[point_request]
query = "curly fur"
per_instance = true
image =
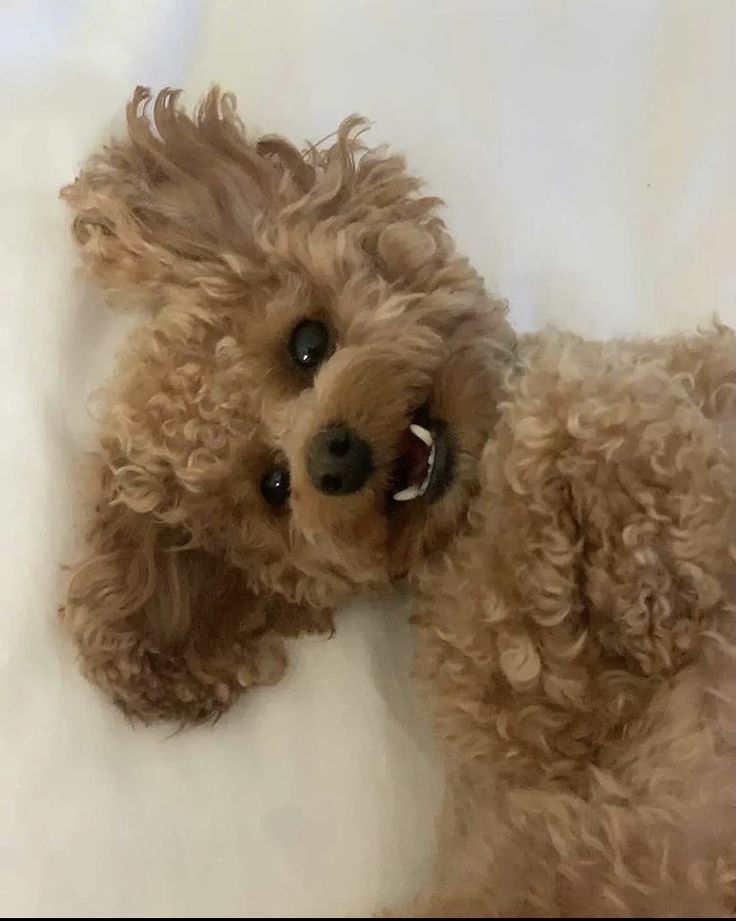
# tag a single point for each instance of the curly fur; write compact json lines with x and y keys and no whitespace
{"x":574,"y":583}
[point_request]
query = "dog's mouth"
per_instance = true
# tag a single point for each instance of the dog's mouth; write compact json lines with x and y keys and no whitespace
{"x":423,"y":465}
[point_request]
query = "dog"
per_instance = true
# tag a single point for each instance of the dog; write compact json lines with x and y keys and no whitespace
{"x":324,"y":399}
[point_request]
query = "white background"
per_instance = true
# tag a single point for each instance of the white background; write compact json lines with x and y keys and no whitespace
{"x":587,"y":152}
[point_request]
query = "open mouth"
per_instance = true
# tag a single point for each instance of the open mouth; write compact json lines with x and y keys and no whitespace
{"x":423,"y":466}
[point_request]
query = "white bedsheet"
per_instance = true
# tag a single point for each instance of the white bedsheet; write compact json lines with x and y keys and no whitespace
{"x":587,"y":152}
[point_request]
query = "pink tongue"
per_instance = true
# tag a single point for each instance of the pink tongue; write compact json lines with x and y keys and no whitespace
{"x":413,"y":461}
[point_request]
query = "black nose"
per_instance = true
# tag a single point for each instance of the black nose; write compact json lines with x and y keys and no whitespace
{"x":339,"y":462}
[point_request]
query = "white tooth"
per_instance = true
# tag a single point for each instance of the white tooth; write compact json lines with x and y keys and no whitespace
{"x":421,"y":433}
{"x":430,"y":467}
{"x":405,"y":495}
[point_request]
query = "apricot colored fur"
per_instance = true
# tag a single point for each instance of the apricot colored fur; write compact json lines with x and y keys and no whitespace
{"x":574,"y":584}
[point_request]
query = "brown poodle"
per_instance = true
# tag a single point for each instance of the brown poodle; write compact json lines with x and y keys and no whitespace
{"x":323,"y":399}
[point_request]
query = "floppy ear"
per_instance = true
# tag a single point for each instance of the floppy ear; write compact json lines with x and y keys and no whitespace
{"x":172,"y":205}
{"x":169,"y":630}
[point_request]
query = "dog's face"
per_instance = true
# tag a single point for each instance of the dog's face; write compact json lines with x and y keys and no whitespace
{"x":311,"y":396}
{"x":365,"y":405}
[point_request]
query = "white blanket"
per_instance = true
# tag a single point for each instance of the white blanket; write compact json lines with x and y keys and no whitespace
{"x":587,"y":152}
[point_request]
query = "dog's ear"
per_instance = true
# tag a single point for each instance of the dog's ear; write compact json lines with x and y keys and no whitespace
{"x":173,"y":204}
{"x":165,"y":628}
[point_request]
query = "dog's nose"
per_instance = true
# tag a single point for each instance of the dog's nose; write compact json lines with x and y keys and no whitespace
{"x":339,"y":462}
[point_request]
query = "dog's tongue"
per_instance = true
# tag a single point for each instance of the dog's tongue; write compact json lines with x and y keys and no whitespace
{"x":412,"y":462}
{"x":413,"y":457}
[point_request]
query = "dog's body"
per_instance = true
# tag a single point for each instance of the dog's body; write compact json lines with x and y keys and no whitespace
{"x":577,"y":640}
{"x":325,"y":399}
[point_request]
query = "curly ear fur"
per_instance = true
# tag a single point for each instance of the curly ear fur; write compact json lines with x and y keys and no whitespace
{"x":168,"y":630}
{"x":162,"y":209}
{"x":189,"y":203}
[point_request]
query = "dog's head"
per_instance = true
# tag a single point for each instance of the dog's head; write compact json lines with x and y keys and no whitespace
{"x":300,"y":415}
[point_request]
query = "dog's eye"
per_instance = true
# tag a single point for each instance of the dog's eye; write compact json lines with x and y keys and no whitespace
{"x":276,"y":486}
{"x":309,"y":344}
